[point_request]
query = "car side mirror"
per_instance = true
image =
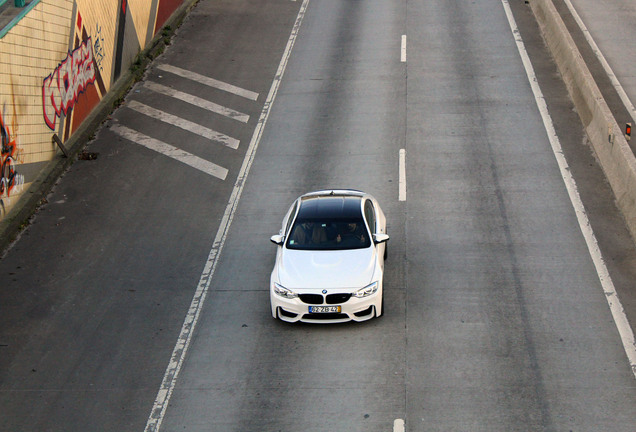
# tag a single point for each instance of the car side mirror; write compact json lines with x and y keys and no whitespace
{"x":277,"y":239}
{"x":380,"y":238}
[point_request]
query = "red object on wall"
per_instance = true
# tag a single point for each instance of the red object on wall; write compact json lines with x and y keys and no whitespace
{"x":82,"y":108}
{"x":164,"y":10}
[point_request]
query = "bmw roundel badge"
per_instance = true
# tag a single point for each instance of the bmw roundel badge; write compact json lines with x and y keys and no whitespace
{"x":324,"y":291}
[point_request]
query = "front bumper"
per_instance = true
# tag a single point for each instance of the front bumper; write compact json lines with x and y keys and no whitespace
{"x":353,"y":309}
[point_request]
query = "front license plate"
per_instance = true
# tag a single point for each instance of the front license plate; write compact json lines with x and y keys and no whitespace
{"x":325,"y":309}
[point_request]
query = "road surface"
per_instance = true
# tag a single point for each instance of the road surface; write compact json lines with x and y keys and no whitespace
{"x":138,"y":297}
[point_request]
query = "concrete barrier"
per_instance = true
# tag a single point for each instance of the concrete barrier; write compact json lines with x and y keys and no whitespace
{"x":614,"y":154}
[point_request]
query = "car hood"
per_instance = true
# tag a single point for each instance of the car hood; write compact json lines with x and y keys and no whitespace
{"x":302,"y":269}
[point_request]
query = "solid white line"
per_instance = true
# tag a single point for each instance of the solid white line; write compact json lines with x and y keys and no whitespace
{"x":616,"y":308}
{"x":210,"y":82}
{"x":181,"y":348}
{"x":184,"y":124}
{"x":608,"y":70}
{"x":197,"y":101}
{"x":170,"y":151}
{"x":403,"y":49}
{"x":398,"y":425}
{"x":402,"y":176}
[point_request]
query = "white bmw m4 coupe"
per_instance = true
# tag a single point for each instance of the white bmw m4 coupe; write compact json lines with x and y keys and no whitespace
{"x":330,"y":259}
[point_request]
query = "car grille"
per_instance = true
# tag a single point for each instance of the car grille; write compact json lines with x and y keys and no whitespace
{"x":318,"y":299}
{"x":337,"y":298}
{"x":315,"y":299}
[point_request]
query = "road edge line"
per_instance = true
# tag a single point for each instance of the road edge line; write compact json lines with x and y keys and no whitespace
{"x":164,"y":394}
{"x":616,"y":308}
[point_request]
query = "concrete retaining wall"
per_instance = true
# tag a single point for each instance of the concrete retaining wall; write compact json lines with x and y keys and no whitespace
{"x":609,"y":144}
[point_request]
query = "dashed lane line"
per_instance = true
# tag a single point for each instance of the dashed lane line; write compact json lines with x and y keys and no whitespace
{"x":183,"y":124}
{"x":197,"y":101}
{"x":210,"y":82}
{"x":403,"y":50}
{"x":402,"y":176}
{"x":170,"y":151}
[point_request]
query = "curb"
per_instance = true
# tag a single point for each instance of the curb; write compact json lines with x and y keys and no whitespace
{"x":20,"y":215}
{"x":610,"y":146}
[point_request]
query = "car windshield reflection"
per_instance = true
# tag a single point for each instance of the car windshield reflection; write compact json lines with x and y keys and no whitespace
{"x":321,"y":234}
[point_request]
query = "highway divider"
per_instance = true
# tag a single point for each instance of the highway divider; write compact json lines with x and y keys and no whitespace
{"x":608,"y":142}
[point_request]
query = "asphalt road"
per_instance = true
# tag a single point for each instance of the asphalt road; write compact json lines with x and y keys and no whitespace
{"x":148,"y":268}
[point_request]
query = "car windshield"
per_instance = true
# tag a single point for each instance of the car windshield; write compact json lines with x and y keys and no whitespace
{"x":328,"y":234}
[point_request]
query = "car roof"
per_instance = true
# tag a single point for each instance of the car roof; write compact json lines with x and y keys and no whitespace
{"x":334,"y":192}
{"x":333,"y":204}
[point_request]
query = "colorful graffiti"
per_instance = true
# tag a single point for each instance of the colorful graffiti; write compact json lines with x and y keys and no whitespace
{"x":61,"y":89}
{"x":10,"y":180}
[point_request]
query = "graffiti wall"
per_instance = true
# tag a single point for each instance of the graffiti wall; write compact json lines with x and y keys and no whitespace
{"x":58,"y":60}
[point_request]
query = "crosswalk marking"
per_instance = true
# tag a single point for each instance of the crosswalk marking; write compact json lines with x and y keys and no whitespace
{"x":183,"y":124}
{"x":174,"y":152}
{"x":211,"y":82}
{"x":197,"y":101}
{"x":170,"y":151}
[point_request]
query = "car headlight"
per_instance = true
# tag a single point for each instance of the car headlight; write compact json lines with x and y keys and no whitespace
{"x":366,"y":291}
{"x":284,"y":292}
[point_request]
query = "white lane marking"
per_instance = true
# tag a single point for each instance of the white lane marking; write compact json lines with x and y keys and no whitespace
{"x":403,"y":50}
{"x":398,"y":425}
{"x":192,"y":317}
{"x":170,"y":151}
{"x":616,"y":308}
{"x":402,"y":176}
{"x":608,"y":70}
{"x":183,"y":124}
{"x":210,"y":82}
{"x":197,"y":101}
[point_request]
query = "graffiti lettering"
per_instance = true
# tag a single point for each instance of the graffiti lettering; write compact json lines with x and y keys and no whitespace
{"x":9,"y":178}
{"x":99,"y":47}
{"x":61,"y":89}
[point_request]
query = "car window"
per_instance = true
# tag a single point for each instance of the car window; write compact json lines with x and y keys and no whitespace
{"x":328,"y":234}
{"x":369,"y":214}
{"x":290,"y":217}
